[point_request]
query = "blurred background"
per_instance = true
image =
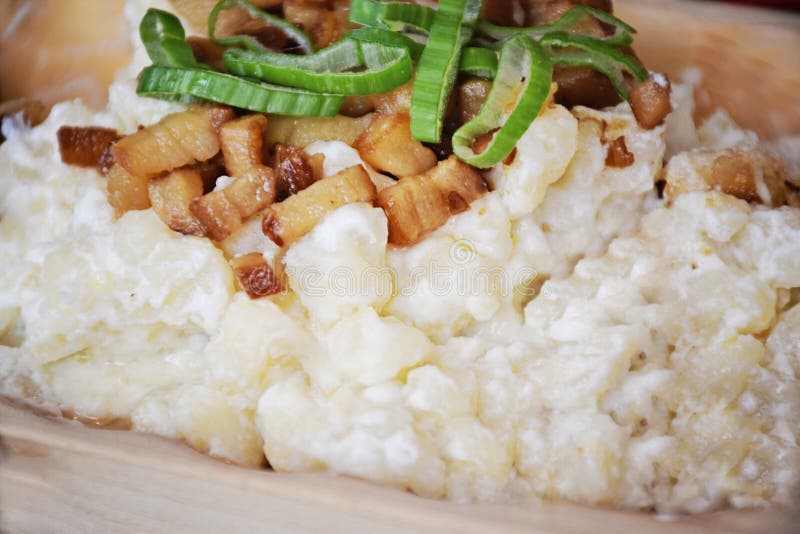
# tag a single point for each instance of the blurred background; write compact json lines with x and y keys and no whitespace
{"x":53,"y":50}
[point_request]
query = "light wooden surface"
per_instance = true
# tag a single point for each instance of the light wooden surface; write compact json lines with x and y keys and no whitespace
{"x":62,"y":477}
{"x":57,"y":476}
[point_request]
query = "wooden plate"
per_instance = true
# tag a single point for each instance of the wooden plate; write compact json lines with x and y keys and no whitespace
{"x":58,"y":476}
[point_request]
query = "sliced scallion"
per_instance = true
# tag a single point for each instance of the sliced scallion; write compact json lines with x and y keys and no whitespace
{"x":388,"y":38}
{"x":249,"y":42}
{"x":330,"y":70}
{"x":391,"y":15}
{"x":165,"y":40}
{"x":173,"y":82}
{"x":581,"y":50}
{"x":524,"y":63}
{"x":622,"y":35}
{"x":451,"y":29}
{"x":480,"y":62}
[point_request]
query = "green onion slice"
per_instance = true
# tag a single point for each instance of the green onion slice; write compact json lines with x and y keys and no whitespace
{"x":452,"y":27}
{"x":522,"y":62}
{"x":480,"y":62}
{"x":395,"y":16}
{"x":170,"y":83}
{"x":251,"y":43}
{"x":388,"y":38}
{"x":165,"y":40}
{"x":580,"y":50}
{"x":622,"y":36}
{"x":330,"y":70}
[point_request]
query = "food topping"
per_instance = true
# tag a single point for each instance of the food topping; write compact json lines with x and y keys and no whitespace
{"x":618,"y":154}
{"x":255,"y":275}
{"x":417,"y":205}
{"x":242,"y":143}
{"x":287,"y":221}
{"x":295,"y":170}
{"x":650,"y":101}
{"x":177,"y":140}
{"x":85,"y":146}
{"x":170,"y":197}
{"x":387,"y":145}
{"x":249,"y":61}
{"x":581,"y":42}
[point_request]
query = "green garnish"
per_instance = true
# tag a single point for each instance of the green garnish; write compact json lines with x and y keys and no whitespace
{"x":379,"y":57}
{"x":522,"y":62}
{"x":328,"y":71}
{"x":249,"y":42}
{"x":170,"y":83}
{"x":451,"y":29}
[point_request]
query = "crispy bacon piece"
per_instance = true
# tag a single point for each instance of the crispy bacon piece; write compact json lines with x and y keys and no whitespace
{"x":325,"y":21}
{"x":223,"y":212}
{"x":207,"y":52}
{"x":216,"y":113}
{"x":252,"y":191}
{"x":293,"y":218}
{"x":418,"y":205}
{"x":387,"y":145}
{"x":501,"y":12}
{"x":293,"y":170}
{"x":471,"y":96}
{"x":618,"y":154}
{"x":209,"y":171}
{"x":395,"y":101}
{"x":302,"y":131}
{"x":548,"y":11}
{"x":171,"y":196}
{"x":256,"y":276}
{"x":125,"y":191}
{"x":749,"y":174}
{"x":242,"y":142}
{"x":85,"y":146}
{"x":177,"y":140}
{"x":650,"y":101}
{"x":583,"y":86}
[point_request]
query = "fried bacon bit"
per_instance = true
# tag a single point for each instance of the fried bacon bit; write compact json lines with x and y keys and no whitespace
{"x":252,"y":191}
{"x":293,"y":218}
{"x":650,"y":101}
{"x":293,"y":170}
{"x":302,"y":131}
{"x":209,"y":171}
{"x":223,"y":212}
{"x":125,"y":191}
{"x":748,"y":174}
{"x":85,"y":146}
{"x":326,"y":21}
{"x":242,"y":142}
{"x":395,"y":101}
{"x":548,"y":11}
{"x":618,"y":155}
{"x":418,"y":205}
{"x":502,"y":12}
{"x":217,"y":214}
{"x":256,"y":276}
{"x":177,"y":140}
{"x":171,"y":196}
{"x":471,"y":96}
{"x":583,"y":86}
{"x":387,"y":145}
{"x":217,"y":114}
{"x":206,"y":52}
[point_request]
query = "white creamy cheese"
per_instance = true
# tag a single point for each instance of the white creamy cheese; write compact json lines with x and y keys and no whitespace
{"x":568,"y":336}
